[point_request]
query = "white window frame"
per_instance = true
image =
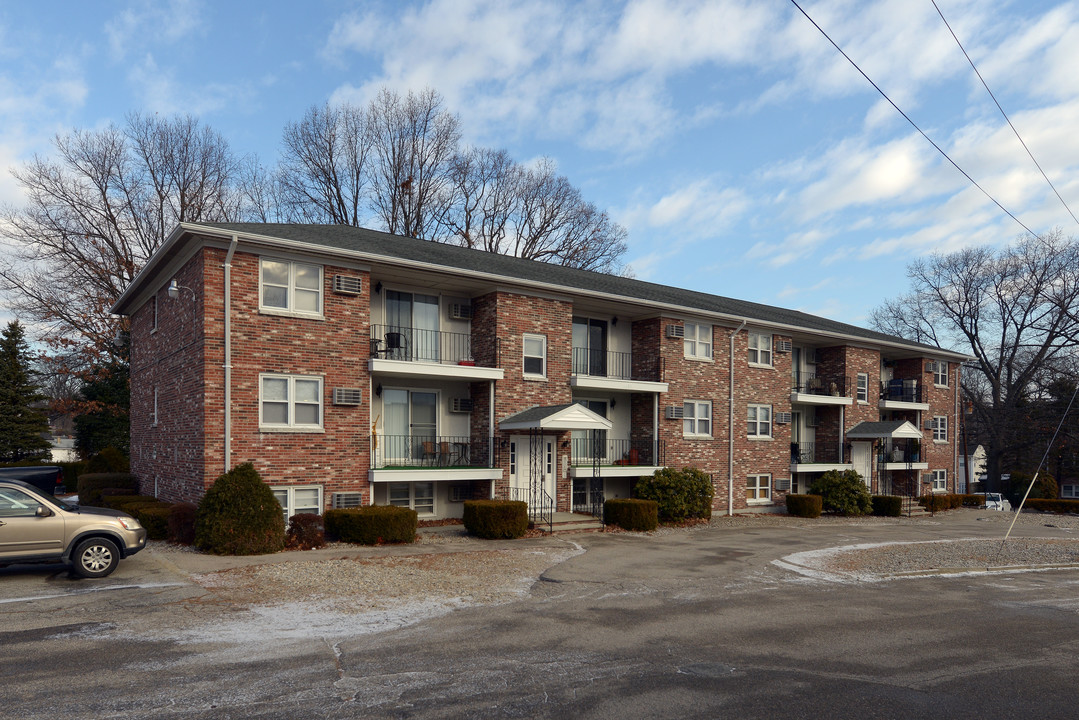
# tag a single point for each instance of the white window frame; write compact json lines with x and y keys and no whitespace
{"x":759,"y":488}
{"x":940,"y":374}
{"x":758,"y":422}
{"x":940,"y":481}
{"x":697,"y":344}
{"x":412,"y":497}
{"x":757,"y":352}
{"x":862,"y":391}
{"x":940,"y":428}
{"x":525,"y":356}
{"x":292,"y":425}
{"x":289,"y":506}
{"x":1069,"y":491}
{"x":290,"y":309}
{"x":695,"y":413}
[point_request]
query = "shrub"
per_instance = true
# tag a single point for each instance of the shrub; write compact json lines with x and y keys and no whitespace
{"x":632,"y":514}
{"x":239,"y":515}
{"x":152,"y":516}
{"x":372,"y":524}
{"x":109,"y":460}
{"x":494,"y":519}
{"x":89,"y":486}
{"x":305,"y":532}
{"x":181,"y":524}
{"x":680,"y":494}
{"x":843,"y":492}
{"x":940,"y":502}
{"x":972,"y":500}
{"x":887,"y":505}
{"x":1056,"y":506}
{"x":1044,"y":488}
{"x":117,"y":502}
{"x":71,"y":471}
{"x":807,"y":506}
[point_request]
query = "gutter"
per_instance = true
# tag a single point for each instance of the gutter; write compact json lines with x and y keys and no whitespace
{"x":228,"y":351}
{"x":730,"y":427}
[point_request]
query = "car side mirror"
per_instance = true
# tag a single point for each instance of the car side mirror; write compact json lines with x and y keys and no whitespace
{"x":43,"y":511}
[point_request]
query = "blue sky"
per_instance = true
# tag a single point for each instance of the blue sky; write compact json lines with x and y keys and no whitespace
{"x":742,"y":153}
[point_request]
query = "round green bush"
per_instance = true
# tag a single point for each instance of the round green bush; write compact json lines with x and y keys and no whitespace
{"x":239,"y":515}
{"x":807,"y":506}
{"x":680,"y":494}
{"x":495,"y":519}
{"x":843,"y":492}
{"x":632,"y":514}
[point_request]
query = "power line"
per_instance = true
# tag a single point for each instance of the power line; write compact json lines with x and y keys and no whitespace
{"x":912,"y":123}
{"x":1017,"y":135}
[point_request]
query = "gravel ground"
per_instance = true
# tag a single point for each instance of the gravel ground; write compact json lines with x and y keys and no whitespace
{"x":463,"y":571}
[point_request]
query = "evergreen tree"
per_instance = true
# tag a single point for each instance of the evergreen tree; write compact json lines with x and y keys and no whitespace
{"x":105,"y":420}
{"x":23,"y":424}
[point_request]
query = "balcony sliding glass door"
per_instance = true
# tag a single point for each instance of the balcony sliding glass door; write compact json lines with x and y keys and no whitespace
{"x":410,"y":424}
{"x":415,"y":318}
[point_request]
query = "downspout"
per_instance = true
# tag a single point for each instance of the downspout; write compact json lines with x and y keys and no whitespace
{"x":730,"y":428}
{"x":491,"y":432}
{"x":955,"y":442}
{"x":228,"y":352}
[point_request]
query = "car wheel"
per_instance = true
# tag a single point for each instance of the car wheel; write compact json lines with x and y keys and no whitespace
{"x":96,"y":557}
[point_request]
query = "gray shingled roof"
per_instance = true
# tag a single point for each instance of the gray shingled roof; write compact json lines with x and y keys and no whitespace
{"x":348,"y":238}
{"x":876,"y":429}
{"x":535,"y":414}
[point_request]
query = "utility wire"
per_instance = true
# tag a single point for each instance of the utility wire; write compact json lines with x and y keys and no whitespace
{"x":1017,"y":135}
{"x":913,"y":124}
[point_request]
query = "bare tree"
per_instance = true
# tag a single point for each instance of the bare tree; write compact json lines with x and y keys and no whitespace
{"x":1014,"y":310}
{"x":482,"y":199}
{"x":98,"y":209}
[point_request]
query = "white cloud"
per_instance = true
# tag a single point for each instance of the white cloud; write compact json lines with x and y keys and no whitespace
{"x":158,"y":90}
{"x":150,"y":24}
{"x":698,"y":210}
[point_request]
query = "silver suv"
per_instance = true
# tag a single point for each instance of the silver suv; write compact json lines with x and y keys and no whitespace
{"x":36,"y":527}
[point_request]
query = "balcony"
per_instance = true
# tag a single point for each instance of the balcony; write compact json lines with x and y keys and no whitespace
{"x":903,"y":394}
{"x":901,"y":455}
{"x":817,"y":457}
{"x":610,"y":370}
{"x":413,"y":352}
{"x":435,"y":457}
{"x":617,"y":457}
{"x":809,"y":388}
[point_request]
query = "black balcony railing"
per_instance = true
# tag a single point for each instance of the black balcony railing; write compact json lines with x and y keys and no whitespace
{"x":900,"y":451}
{"x":618,"y":452}
{"x":813,"y":453}
{"x":810,"y":383}
{"x":394,"y":342}
{"x":435,"y":451}
{"x":617,"y":365}
{"x":903,"y":390}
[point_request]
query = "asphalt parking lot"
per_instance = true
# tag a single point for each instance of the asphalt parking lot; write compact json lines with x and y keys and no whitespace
{"x":687,"y":623}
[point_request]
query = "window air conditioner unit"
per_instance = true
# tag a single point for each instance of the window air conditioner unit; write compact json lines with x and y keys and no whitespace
{"x":812,"y":357}
{"x":347,"y":396}
{"x":783,"y":418}
{"x":783,"y":346}
{"x":460,"y":311}
{"x":676,"y":331}
{"x":927,"y":477}
{"x":931,"y":367}
{"x":783,"y":484}
{"x":461,"y":405}
{"x":345,"y":285}
{"x":675,"y":412}
{"x":930,"y":424}
{"x":344,"y":500}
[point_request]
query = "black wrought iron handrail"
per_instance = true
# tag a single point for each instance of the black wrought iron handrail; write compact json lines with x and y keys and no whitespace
{"x":810,"y":453}
{"x":398,"y":342}
{"x":900,"y":451}
{"x":810,"y":383}
{"x":618,"y":451}
{"x":541,"y":506}
{"x":617,"y":365}
{"x":908,"y":390}
{"x":435,"y":451}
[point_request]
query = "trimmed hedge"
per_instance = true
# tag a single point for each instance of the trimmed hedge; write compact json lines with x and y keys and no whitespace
{"x":887,"y":505}
{"x":942,"y":501}
{"x":807,"y":506}
{"x":181,"y":523}
{"x":239,"y":515}
{"x":372,"y":524}
{"x":305,"y":532}
{"x":1055,"y":506}
{"x":109,"y":460}
{"x":494,"y":519}
{"x":681,"y":494}
{"x":631,"y":514}
{"x":152,"y":516}
{"x":89,"y":486}
{"x":972,"y":500}
{"x":117,"y":502}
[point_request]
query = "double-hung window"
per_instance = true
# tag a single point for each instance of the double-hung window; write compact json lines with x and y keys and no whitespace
{"x":698,"y":342}
{"x":290,"y":287}
{"x":296,"y":499}
{"x":759,"y":488}
{"x":760,"y":421}
{"x":290,"y":402}
{"x":863,"y":387}
{"x":760,"y":349}
{"x":697,"y":418}
{"x":535,"y":356}
{"x":940,"y":374}
{"x":420,"y":496}
{"x":940,"y":480}
{"x":940,"y":428}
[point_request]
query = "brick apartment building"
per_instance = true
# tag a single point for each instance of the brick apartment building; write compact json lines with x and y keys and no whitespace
{"x":356,"y":367}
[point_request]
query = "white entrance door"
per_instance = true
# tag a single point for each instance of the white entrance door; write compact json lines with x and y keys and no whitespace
{"x":861,"y":456}
{"x":521,"y":464}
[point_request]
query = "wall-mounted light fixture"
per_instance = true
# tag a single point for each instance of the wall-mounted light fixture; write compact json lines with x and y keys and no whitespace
{"x":614,"y":321}
{"x":175,"y":287}
{"x":612,"y":402}
{"x":378,"y":390}
{"x":378,"y":288}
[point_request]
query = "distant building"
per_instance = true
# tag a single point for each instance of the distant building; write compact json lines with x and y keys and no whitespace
{"x":976,"y":461}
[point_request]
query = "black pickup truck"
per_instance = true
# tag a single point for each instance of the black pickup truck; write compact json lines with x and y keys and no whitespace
{"x":47,"y":478}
